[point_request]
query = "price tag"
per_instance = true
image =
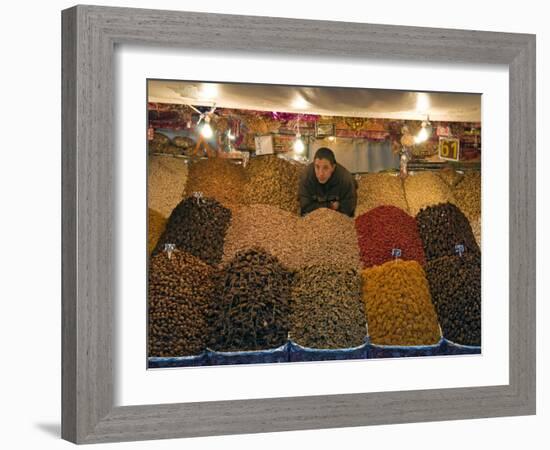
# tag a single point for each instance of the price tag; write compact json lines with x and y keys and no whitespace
{"x":169,"y":248}
{"x":459,"y":248}
{"x":396,"y":252}
{"x":199,"y":197}
{"x":449,"y":148}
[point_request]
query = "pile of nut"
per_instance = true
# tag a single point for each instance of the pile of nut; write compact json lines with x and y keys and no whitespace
{"x":265,"y":226}
{"x":327,"y":236}
{"x":321,"y":236}
{"x":156,"y":223}
{"x":450,"y":176}
{"x":273,"y":181}
{"x":377,"y":189}
{"x":426,"y":189}
{"x":179,"y":300}
{"x":252,"y":307}
{"x":327,"y":310}
{"x":387,"y":232}
{"x":166,"y":180}
{"x":455,"y":285}
{"x":467,"y":194}
{"x":398,"y":305}
{"x":197,"y":226}
{"x":217,"y":178}
{"x":443,"y":228}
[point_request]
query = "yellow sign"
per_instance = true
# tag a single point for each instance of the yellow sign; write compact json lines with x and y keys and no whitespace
{"x":449,"y":148}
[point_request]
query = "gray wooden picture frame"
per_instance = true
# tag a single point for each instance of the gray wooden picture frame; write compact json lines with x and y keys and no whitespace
{"x":89,"y":36}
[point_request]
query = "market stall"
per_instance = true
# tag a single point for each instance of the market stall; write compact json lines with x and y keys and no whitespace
{"x":237,"y":275}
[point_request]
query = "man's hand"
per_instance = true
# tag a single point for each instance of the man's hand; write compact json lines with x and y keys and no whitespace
{"x":334,"y":205}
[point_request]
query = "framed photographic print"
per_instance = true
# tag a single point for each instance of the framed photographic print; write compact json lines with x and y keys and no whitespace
{"x":189,"y":256}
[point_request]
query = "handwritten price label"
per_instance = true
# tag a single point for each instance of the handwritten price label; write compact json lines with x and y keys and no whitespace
{"x":169,"y":248}
{"x":449,"y":148}
{"x":199,"y":197}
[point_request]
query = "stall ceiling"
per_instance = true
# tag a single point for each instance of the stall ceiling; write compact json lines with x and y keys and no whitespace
{"x":334,"y":101}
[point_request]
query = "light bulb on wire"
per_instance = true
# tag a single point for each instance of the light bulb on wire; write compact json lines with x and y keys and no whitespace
{"x":206,"y":130}
{"x":299,"y":146}
{"x":424,"y":133}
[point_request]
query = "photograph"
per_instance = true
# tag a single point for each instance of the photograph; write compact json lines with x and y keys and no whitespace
{"x":289,"y":223}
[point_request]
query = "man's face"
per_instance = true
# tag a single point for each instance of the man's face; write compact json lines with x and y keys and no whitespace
{"x":323,"y":170}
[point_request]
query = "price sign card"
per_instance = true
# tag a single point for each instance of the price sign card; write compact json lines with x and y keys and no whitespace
{"x":449,"y":148}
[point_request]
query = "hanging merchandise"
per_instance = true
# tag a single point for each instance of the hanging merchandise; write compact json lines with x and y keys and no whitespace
{"x":355,"y":123}
{"x":262,"y":122}
{"x":407,"y":139}
{"x":288,"y":117}
{"x":404,"y":161}
{"x":376,"y":130}
{"x":239,"y":130}
{"x":444,"y":131}
{"x":150,"y":133}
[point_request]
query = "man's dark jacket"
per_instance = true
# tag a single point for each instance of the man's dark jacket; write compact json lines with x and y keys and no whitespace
{"x":341,"y":187}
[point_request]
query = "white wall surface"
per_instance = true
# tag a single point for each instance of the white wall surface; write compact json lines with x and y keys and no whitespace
{"x":30,"y":225}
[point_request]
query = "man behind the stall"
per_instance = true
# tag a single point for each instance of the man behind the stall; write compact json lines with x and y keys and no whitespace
{"x":327,"y":184}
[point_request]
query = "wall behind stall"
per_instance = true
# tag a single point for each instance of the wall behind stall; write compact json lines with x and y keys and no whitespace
{"x":359,"y":155}
{"x":31,"y":209}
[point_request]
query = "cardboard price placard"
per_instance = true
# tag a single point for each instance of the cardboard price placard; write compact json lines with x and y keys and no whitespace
{"x":449,"y":148}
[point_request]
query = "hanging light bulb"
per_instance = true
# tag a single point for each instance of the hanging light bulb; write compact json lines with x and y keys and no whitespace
{"x":299,"y":146}
{"x":206,"y":130}
{"x":424,"y":133}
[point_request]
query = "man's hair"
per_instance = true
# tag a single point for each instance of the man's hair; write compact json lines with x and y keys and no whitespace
{"x":325,"y":153}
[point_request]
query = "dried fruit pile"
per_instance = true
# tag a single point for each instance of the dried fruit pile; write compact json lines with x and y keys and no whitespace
{"x":179,"y":298}
{"x":327,"y":310}
{"x":398,"y":305}
{"x":217,"y":178}
{"x":384,"y":229}
{"x":426,"y":189}
{"x":166,"y":180}
{"x":156,"y":223}
{"x":443,"y":227}
{"x":252,"y":295}
{"x":468,"y":195}
{"x":379,"y":189}
{"x":455,"y":285}
{"x":197,"y":226}
{"x":273,"y":181}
